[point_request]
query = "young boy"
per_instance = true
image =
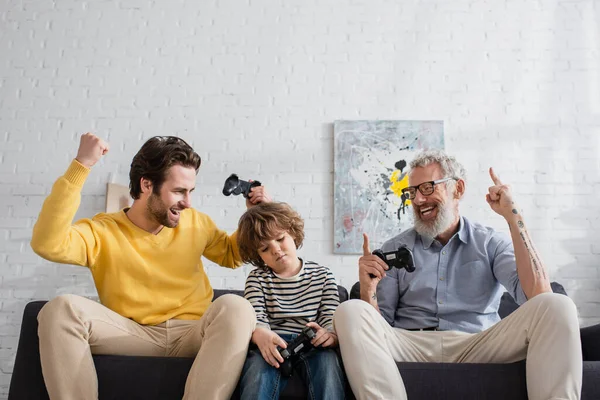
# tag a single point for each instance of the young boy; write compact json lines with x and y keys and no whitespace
{"x":288,"y":294}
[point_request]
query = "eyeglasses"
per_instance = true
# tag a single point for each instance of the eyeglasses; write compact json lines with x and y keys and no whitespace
{"x":426,"y":188}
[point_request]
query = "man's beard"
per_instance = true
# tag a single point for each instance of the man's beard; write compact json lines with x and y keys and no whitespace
{"x":159,"y":211}
{"x":443,"y":220}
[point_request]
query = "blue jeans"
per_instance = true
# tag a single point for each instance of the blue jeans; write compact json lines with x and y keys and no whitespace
{"x":320,"y":369}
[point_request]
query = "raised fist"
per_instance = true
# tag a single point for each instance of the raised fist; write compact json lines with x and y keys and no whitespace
{"x":91,"y":149}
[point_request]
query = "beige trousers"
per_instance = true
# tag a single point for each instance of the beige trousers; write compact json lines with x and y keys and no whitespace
{"x":72,"y":328}
{"x":544,"y":330}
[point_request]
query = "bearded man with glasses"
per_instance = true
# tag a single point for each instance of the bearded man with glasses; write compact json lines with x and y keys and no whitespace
{"x":447,"y":309}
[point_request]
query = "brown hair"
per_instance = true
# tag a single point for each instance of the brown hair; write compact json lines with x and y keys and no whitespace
{"x":155,"y":158}
{"x":263,"y":222}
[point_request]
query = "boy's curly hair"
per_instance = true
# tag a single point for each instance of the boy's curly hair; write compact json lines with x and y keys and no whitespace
{"x":264,"y":222}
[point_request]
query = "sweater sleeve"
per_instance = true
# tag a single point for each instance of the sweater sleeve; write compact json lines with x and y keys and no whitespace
{"x":329,"y":302}
{"x":222,"y":248}
{"x":254,"y":293}
{"x":55,"y":237}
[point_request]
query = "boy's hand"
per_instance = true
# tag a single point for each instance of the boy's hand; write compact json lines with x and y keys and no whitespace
{"x":258,"y":194}
{"x":91,"y":149}
{"x":267,"y":342}
{"x":323,"y":337}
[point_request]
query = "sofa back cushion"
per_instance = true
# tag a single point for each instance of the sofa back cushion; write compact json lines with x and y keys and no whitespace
{"x":508,"y":304}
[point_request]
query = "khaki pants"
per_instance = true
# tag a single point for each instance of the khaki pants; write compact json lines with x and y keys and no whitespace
{"x":72,"y":328}
{"x":544,"y":330}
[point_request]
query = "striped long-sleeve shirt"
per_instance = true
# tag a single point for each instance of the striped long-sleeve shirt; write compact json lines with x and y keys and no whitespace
{"x":286,"y":305}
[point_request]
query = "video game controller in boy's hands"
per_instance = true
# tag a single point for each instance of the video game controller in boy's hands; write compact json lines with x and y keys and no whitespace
{"x":301,"y":344}
{"x":401,"y":258}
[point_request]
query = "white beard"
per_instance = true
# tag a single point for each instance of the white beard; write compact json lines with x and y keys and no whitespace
{"x":439,"y":225}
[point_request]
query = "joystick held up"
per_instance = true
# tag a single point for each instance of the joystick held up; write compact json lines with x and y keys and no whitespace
{"x":400,"y":258}
{"x":234,"y":185}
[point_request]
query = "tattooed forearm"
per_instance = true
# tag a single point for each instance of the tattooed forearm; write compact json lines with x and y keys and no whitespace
{"x":372,"y":299}
{"x":530,"y":267}
{"x":533,"y":256}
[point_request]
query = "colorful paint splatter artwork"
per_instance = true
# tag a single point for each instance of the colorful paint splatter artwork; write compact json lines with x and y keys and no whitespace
{"x":371,"y":169}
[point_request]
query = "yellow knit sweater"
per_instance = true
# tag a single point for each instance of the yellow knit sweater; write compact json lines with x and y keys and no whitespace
{"x":148,"y":278}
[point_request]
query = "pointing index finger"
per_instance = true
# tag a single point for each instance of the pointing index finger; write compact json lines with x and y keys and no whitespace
{"x":494,"y":177}
{"x":366,"y":250}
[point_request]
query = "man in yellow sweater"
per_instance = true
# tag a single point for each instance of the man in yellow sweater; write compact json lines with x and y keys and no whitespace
{"x":146,"y":264}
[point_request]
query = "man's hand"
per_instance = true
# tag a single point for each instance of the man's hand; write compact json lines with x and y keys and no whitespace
{"x":267,"y":342}
{"x":371,"y":269}
{"x":258,"y":194}
{"x":500,"y":197}
{"x":323,"y":337}
{"x":91,"y":149}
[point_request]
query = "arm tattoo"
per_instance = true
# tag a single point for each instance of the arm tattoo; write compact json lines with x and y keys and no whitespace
{"x":533,"y":256}
{"x":374,"y":297}
{"x":514,"y":210}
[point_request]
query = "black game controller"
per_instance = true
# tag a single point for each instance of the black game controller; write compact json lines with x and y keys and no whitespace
{"x":234,"y":185}
{"x":401,"y":258}
{"x":301,"y":344}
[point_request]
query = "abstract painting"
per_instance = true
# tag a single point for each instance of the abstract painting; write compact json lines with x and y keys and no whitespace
{"x":371,"y":168}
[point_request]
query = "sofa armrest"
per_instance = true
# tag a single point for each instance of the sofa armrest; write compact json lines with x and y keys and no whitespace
{"x":590,"y":343}
{"x":28,"y":370}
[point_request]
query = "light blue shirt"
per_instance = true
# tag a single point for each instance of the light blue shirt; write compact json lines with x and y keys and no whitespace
{"x":454,"y":287}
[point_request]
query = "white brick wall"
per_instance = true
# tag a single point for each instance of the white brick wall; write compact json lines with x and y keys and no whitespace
{"x":255,"y":86}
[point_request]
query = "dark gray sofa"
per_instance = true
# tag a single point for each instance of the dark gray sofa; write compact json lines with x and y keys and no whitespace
{"x":124,"y":377}
{"x":119,"y":377}
{"x":492,"y":381}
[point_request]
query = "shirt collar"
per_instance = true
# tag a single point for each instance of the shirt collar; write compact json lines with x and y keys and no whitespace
{"x":463,"y":235}
{"x":463,"y":230}
{"x":293,"y":276}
